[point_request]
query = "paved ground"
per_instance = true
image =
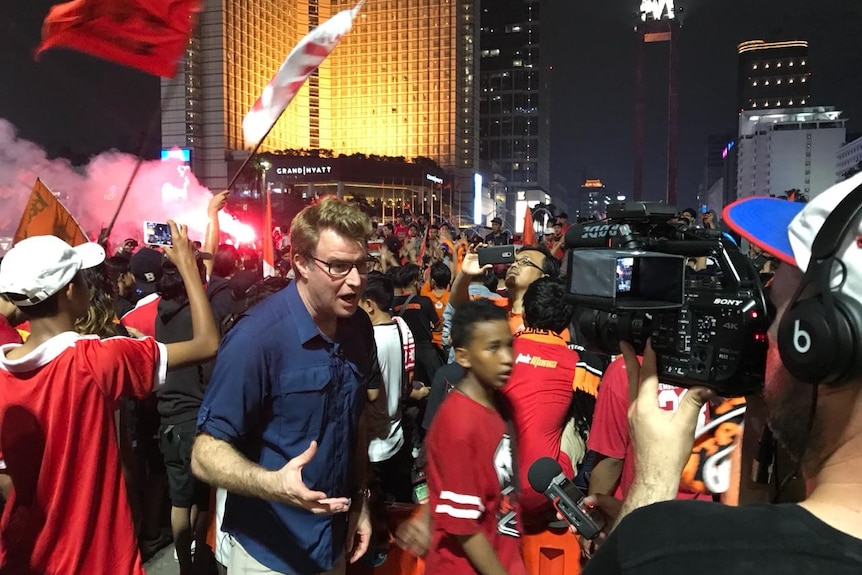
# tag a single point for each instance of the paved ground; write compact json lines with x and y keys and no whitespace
{"x":162,"y":563}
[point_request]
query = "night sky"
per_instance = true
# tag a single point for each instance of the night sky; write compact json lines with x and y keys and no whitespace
{"x":75,"y":105}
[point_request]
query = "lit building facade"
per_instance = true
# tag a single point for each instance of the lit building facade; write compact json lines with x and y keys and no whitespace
{"x":595,"y":199}
{"x":403,"y":83}
{"x":849,"y":159}
{"x":773,"y":75}
{"x":515,"y":127}
{"x":785,"y":149}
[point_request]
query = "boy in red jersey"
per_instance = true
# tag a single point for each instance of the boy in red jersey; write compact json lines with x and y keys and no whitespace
{"x":68,"y":510}
{"x":471,"y":475}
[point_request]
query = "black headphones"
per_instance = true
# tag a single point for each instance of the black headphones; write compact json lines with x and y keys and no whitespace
{"x":819,"y":336}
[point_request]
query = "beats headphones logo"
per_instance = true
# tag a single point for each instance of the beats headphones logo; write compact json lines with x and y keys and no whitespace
{"x":801,"y":338}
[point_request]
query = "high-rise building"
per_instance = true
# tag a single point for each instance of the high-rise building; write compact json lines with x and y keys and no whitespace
{"x":716,"y":159}
{"x":786,"y":149}
{"x":773,"y":75}
{"x":849,"y":159}
{"x":403,"y":83}
{"x":515,"y":97}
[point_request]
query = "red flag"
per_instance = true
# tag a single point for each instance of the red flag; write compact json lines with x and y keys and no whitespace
{"x":149,"y":35}
{"x":44,"y":215}
{"x":302,"y":61}
{"x":268,"y":247}
{"x":528,"y":238}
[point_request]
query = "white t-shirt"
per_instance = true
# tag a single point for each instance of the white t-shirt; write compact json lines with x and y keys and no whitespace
{"x":384,"y":422}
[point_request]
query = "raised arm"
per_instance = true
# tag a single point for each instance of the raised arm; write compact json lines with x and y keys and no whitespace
{"x":211,"y":242}
{"x":205,"y":335}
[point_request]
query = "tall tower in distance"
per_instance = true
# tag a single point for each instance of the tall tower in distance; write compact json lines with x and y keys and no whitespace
{"x":658,"y":23}
{"x":773,"y":75}
{"x":514,"y":99}
{"x":404,"y":82}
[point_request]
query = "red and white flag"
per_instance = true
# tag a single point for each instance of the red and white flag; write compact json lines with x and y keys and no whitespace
{"x":302,"y":61}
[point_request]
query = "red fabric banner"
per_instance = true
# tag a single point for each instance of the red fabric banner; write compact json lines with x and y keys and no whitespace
{"x":528,"y":238}
{"x":149,"y":35}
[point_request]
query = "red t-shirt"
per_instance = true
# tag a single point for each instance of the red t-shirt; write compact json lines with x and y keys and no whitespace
{"x":539,"y":392}
{"x":609,"y":434}
{"x":68,"y":511}
{"x":143,"y":316}
{"x":8,"y":334}
{"x":470,"y":483}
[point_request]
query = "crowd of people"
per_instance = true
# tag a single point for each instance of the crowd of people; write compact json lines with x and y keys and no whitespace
{"x":275,"y":421}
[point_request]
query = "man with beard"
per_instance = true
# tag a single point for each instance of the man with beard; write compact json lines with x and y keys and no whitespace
{"x":279,"y":424}
{"x":813,"y":395}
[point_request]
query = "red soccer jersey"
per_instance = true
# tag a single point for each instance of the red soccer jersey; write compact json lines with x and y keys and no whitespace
{"x":539,"y":392}
{"x":8,"y":334}
{"x":470,"y":482}
{"x":609,"y":434}
{"x":68,"y":511}
{"x":143,"y":316}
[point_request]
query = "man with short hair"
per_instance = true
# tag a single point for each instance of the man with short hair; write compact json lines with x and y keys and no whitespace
{"x":541,"y":387}
{"x":813,"y":397}
{"x":389,"y":454}
{"x":68,"y":511}
{"x":498,"y":237}
{"x":146,"y":265}
{"x":279,"y":424}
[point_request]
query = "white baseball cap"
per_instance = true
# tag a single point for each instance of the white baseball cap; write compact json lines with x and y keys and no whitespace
{"x":787,"y":230}
{"x":40,"y":266}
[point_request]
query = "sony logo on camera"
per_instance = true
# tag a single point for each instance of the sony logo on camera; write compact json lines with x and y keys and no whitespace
{"x":723,"y":301}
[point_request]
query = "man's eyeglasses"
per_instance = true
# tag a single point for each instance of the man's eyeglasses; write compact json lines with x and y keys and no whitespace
{"x":527,"y":262}
{"x":340,"y":269}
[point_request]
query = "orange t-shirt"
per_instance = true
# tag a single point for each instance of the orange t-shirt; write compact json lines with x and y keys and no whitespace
{"x":439,"y":305}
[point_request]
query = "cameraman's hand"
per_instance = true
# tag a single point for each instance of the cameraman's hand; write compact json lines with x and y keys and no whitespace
{"x":662,"y":439}
{"x":470,"y":266}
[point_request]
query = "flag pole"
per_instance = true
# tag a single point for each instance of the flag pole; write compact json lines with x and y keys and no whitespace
{"x":105,"y":233}
{"x":250,"y":156}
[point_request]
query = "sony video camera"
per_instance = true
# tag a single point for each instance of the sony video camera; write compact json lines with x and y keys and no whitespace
{"x":631,"y":279}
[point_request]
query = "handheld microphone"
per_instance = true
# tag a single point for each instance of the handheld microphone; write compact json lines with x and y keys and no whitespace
{"x":546,"y":476}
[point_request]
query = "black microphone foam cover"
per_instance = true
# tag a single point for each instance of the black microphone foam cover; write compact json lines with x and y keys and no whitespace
{"x":542,"y":472}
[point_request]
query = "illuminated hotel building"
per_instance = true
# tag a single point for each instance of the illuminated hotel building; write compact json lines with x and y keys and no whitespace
{"x":773,"y":75}
{"x":402,"y":83}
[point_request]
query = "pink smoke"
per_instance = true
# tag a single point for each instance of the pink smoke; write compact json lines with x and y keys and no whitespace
{"x":162,"y":190}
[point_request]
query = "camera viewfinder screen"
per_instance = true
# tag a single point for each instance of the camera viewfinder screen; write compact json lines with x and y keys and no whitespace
{"x":625,"y":271}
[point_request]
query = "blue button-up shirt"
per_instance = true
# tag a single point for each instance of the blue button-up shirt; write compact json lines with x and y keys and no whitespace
{"x":278,"y":384}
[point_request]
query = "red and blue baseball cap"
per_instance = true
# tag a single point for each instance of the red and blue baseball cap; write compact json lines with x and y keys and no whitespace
{"x":787,"y":230}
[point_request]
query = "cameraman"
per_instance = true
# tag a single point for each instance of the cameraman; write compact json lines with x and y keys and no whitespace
{"x":819,"y":424}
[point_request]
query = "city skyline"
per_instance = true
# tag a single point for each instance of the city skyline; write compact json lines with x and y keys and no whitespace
{"x":71,"y":103}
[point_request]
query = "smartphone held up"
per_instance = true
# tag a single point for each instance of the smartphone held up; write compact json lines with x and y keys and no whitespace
{"x":158,"y":234}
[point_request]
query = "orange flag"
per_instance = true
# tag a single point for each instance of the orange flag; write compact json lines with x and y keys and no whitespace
{"x":268,"y":246}
{"x":528,"y":238}
{"x":44,"y":215}
{"x":149,"y":35}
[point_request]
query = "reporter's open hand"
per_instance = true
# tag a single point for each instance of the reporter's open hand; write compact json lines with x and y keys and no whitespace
{"x":662,"y":439}
{"x":294,"y":492}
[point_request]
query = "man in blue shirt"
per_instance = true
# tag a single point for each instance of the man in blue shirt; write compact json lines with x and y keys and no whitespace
{"x":279,"y":424}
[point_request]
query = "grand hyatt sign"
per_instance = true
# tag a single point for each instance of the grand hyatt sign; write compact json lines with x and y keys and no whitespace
{"x":304,"y":171}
